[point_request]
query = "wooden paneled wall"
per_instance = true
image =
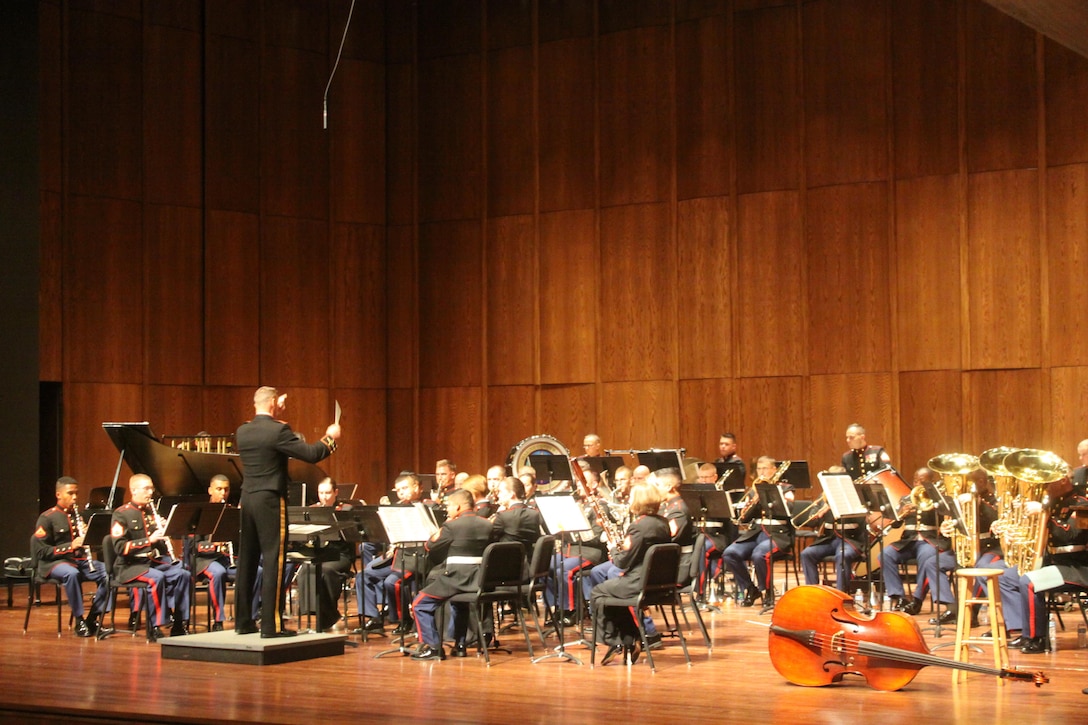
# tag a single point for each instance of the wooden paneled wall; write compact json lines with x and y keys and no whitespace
{"x":653,"y":219}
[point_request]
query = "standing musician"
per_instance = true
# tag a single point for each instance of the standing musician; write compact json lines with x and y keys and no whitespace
{"x":1025,"y":608}
{"x":143,"y":554}
{"x":921,"y":540}
{"x":862,"y":458}
{"x":759,"y":542}
{"x":619,"y":629}
{"x":457,"y":551}
{"x":264,"y":445}
{"x":384,"y":577}
{"x":727,"y":453}
{"x":58,"y":548}
{"x":214,"y":562}
{"x":581,"y":550}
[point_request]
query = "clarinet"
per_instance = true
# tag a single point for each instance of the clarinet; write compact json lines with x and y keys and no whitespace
{"x":81,"y":529}
{"x":160,"y":525}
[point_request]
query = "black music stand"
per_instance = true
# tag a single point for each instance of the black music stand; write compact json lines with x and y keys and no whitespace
{"x":773,"y":505}
{"x":605,"y":466}
{"x":562,"y":514}
{"x":796,"y":474}
{"x":98,"y":525}
{"x":876,"y":500}
{"x":401,"y":525}
{"x":844,"y":500}
{"x":368,"y":527}
{"x":657,"y":458}
{"x":188,"y":521}
{"x":730,"y":475}
{"x":943,"y":506}
{"x":311,"y":525}
{"x":706,"y":501}
{"x":550,"y":466}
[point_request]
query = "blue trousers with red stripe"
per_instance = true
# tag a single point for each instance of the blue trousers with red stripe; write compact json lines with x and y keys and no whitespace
{"x":168,"y":583}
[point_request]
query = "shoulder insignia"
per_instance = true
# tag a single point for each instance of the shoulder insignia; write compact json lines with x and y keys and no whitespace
{"x":117,"y":531}
{"x":40,"y":533}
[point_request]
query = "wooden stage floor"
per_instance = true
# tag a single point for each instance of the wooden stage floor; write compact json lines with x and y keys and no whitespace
{"x":44,"y":678}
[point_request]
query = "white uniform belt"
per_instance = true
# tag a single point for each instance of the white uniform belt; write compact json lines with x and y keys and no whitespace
{"x":920,"y":528}
{"x":1067,"y":549}
{"x":712,"y":524}
{"x":687,"y":549}
{"x":772,"y":522}
{"x":847,"y":527}
{"x":453,"y":560}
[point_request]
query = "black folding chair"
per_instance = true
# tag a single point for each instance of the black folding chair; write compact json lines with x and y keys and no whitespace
{"x":109,"y":558}
{"x":503,"y":578}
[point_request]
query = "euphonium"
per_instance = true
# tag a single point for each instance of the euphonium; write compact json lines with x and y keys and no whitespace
{"x":1005,"y":486}
{"x":1024,"y":537}
{"x":954,"y":468}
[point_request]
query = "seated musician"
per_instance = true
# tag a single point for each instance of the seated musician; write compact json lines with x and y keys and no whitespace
{"x":445,"y":477}
{"x":384,"y":579}
{"x":718,"y":532}
{"x":336,"y":556}
{"x":516,"y":521}
{"x":619,"y":629}
{"x":58,"y":548}
{"x":143,"y":554}
{"x":922,"y":541}
{"x":455,"y":551}
{"x":621,"y":485}
{"x":581,"y":550}
{"x":481,"y":504}
{"x":759,"y":542}
{"x":1025,"y":608}
{"x":214,"y":561}
{"x":495,"y":474}
{"x":846,"y":541}
{"x":527,"y":475}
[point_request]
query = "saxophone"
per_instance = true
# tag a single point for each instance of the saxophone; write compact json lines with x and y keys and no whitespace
{"x":160,"y":525}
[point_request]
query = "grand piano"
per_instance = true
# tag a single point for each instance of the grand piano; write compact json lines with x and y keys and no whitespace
{"x":179,"y":471}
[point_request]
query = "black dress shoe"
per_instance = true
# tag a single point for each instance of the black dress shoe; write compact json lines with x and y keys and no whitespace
{"x":82,"y":630}
{"x":404,"y":627}
{"x":1035,"y":646}
{"x":281,"y":633}
{"x":217,"y":626}
{"x":911,"y":607}
{"x":610,"y":654}
{"x":1016,"y":642}
{"x":631,"y":652}
{"x":654,"y":641}
{"x":948,"y":616}
{"x":459,"y":650}
{"x":180,"y":628}
{"x":750,"y":597}
{"x":427,"y":652}
{"x":134,"y":621}
{"x":246,"y":628}
{"x":156,"y":634}
{"x":374,"y":624}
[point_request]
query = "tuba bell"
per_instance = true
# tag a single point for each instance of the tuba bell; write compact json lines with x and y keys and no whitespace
{"x":954,"y":468}
{"x":521,"y":456}
{"x":1024,"y":535}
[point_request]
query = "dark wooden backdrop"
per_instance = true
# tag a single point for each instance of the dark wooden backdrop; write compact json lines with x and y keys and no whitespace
{"x":652,"y":219}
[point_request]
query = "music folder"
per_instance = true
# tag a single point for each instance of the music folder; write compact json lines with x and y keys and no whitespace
{"x":562,"y":514}
{"x":408,"y":524}
{"x":304,"y":522}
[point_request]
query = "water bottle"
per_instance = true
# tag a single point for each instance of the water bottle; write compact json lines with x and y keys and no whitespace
{"x":1052,"y":630}
{"x":859,"y":600}
{"x":1082,"y":637}
{"x":984,"y":616}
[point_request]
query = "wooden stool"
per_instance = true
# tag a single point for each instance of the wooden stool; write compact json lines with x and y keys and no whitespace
{"x":964,"y":578}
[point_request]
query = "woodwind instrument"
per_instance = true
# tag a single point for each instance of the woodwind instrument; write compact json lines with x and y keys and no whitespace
{"x":81,"y":529}
{"x":160,"y":525}
{"x":611,"y":531}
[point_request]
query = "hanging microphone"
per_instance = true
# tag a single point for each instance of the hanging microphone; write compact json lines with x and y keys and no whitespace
{"x":325,"y":113}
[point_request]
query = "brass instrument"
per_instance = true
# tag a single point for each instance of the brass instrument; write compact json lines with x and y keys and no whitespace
{"x":611,"y":530}
{"x":954,"y":468}
{"x":812,"y":513}
{"x":160,"y":525}
{"x":751,"y":492}
{"x":1024,"y":534}
{"x":1005,"y":487}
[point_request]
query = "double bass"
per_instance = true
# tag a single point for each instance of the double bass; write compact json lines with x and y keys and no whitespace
{"x":817,"y":637}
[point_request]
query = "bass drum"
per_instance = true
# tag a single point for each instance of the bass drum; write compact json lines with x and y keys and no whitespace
{"x":522,"y":453}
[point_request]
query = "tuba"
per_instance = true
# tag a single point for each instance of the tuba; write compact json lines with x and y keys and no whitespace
{"x":1024,"y":535}
{"x":1005,"y":487}
{"x":954,"y":468}
{"x":521,"y":456}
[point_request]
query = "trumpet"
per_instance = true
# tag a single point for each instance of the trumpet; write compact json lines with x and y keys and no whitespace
{"x":160,"y":525}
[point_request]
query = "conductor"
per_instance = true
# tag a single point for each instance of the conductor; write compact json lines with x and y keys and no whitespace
{"x":264,"y":445}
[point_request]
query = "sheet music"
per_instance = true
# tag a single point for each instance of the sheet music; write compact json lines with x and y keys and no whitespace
{"x":562,"y":513}
{"x":306,"y":529}
{"x":841,"y":495}
{"x":407,"y":523}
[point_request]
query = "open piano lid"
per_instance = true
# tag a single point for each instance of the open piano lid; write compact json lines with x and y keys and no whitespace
{"x":178,"y":472}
